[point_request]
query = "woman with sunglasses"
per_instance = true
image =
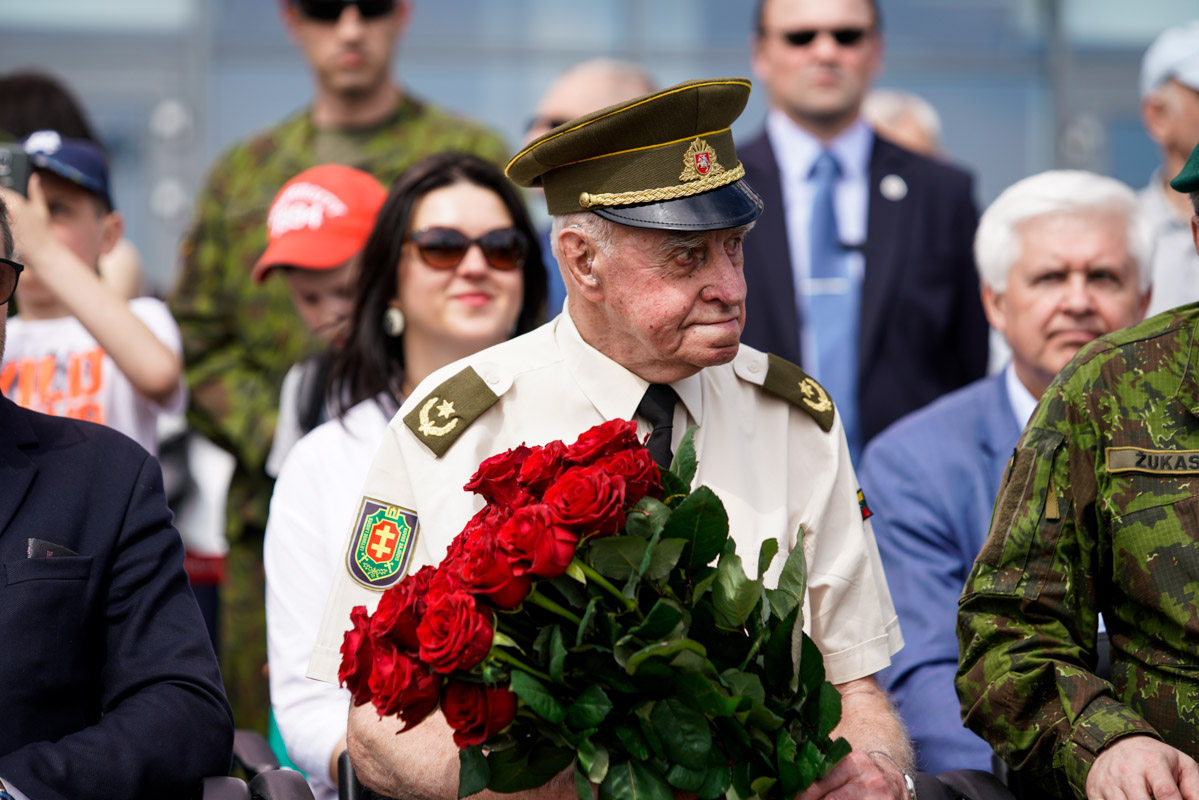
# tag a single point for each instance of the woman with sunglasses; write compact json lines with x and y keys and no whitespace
{"x":450,"y":268}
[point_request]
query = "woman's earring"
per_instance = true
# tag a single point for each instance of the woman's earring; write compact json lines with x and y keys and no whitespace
{"x":393,"y":321}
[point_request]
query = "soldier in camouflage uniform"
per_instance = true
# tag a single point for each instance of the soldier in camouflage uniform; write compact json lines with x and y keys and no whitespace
{"x":1099,"y":513}
{"x":240,"y":338}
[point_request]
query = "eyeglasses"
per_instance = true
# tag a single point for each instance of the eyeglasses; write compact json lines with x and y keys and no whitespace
{"x":548,"y":123}
{"x":846,"y":37}
{"x":444,"y":248}
{"x":9,"y":272}
{"x":330,"y":10}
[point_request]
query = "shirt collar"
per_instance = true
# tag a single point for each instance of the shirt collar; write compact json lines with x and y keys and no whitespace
{"x":796,"y":150}
{"x":613,"y":390}
{"x":1156,"y":208}
{"x":1022,"y":401}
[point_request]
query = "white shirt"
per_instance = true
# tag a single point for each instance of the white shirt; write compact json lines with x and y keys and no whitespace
{"x":1175,"y":267}
{"x":1022,"y":401}
{"x":55,"y":366}
{"x":305,"y":533}
{"x":772,"y":466}
{"x":796,"y":151}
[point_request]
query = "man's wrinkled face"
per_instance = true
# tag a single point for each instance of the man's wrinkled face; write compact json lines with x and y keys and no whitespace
{"x":823,"y":80}
{"x":675,"y":302}
{"x":1073,"y":282}
{"x":352,"y":54}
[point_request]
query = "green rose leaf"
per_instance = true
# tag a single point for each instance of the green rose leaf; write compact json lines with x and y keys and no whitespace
{"x":617,"y":557}
{"x":700,"y":521}
{"x":536,"y":697}
{"x":473,"y":772}
{"x":704,"y":695}
{"x":766,"y":554}
{"x":557,"y":654}
{"x":519,"y":768}
{"x":588,"y":617}
{"x":663,"y":556}
{"x":594,"y":759}
{"x":734,"y":596}
{"x":634,"y":780}
{"x":660,"y":621}
{"x":688,"y":780}
{"x":589,"y":709}
{"x":582,"y":784}
{"x":716,"y":782}
{"x":810,"y":763}
{"x":684,"y":462}
{"x":646,"y":518}
{"x":634,"y":742}
{"x":792,"y":581}
{"x":830,"y":708}
{"x":673,"y":488}
{"x":786,"y":753}
{"x":665,"y":649}
{"x":811,"y":667}
{"x":761,"y":786}
{"x":684,"y":732}
{"x":779,"y":659}
{"x":836,"y":751}
{"x":744,"y":684}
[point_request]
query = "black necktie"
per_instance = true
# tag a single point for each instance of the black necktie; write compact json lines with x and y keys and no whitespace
{"x":657,"y":408}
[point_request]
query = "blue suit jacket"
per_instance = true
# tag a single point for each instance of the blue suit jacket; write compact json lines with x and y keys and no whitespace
{"x":931,"y":481}
{"x":108,"y":683}
{"x":923,"y":332}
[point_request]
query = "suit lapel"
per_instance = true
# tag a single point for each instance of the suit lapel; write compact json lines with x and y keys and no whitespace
{"x":999,"y":428}
{"x":16,"y":469}
{"x":771,"y":288}
{"x":885,"y":248}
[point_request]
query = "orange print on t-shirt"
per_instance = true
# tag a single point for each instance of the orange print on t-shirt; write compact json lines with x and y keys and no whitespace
{"x":62,"y":390}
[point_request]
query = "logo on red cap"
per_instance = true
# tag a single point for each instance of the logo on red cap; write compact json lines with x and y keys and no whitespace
{"x":303,"y":205}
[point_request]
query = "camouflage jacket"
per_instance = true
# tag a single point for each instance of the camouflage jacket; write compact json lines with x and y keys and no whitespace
{"x":238,"y":338}
{"x":1098,"y":513}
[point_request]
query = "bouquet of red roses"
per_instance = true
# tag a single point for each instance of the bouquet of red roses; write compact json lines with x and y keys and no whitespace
{"x":578,"y":618}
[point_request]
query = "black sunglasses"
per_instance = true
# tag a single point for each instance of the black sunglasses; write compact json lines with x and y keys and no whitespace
{"x":9,"y":272}
{"x":846,"y":37}
{"x":444,"y":248}
{"x":330,"y":10}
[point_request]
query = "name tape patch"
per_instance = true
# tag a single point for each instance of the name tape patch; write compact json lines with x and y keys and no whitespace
{"x":1155,"y":462}
{"x":382,"y":544}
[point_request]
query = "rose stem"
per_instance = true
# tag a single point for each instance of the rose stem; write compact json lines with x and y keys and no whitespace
{"x":502,"y":655}
{"x":602,"y":582}
{"x":549,"y":605}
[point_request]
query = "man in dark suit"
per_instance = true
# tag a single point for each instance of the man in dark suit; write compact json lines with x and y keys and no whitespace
{"x":863,"y":272}
{"x":108,"y":683}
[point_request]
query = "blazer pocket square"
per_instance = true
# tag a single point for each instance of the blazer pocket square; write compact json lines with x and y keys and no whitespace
{"x":40,"y":548}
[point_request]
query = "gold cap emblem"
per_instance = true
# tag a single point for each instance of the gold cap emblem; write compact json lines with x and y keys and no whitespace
{"x":699,"y":162}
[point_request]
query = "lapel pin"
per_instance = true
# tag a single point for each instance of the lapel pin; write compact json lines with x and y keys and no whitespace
{"x":893,"y":187}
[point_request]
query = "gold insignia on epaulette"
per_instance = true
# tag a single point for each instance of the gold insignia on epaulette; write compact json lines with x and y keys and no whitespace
{"x":449,"y":410}
{"x":788,"y":381}
{"x":699,"y":162}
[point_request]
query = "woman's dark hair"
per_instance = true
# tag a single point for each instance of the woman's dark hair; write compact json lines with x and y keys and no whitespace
{"x":35,"y":101}
{"x":372,"y":363}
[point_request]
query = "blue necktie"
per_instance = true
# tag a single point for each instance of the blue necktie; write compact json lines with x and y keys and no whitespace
{"x":833,"y":300}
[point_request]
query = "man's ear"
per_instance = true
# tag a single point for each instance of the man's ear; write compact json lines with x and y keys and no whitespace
{"x":1156,"y":116}
{"x":576,"y":256}
{"x":114,"y":228}
{"x":993,"y":306}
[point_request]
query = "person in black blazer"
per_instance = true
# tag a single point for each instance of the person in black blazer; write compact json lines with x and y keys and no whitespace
{"x":108,"y":684}
{"x":922,"y":331}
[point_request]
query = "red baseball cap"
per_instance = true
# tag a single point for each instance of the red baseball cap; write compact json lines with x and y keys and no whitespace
{"x":320,"y":219}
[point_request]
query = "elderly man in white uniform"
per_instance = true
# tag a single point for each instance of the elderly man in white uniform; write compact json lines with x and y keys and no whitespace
{"x":649,"y":215}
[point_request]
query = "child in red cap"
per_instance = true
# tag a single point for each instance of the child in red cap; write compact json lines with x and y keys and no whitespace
{"x":316,"y":228}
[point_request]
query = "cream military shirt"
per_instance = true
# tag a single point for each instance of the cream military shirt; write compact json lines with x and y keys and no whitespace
{"x":772,"y":465}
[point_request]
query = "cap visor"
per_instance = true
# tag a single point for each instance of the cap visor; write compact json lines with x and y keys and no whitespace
{"x":290,"y":251}
{"x":726,"y":207}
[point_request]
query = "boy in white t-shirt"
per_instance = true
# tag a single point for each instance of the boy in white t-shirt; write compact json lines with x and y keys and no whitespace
{"x":315,"y":231}
{"x":77,"y":348}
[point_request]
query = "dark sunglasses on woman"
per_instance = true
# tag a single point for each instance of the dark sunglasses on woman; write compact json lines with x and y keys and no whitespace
{"x":444,"y":248}
{"x":9,"y":272}
{"x":330,"y":10}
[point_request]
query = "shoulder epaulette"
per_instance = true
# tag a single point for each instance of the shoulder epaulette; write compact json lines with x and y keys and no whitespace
{"x":441,"y":417}
{"x":788,"y":381}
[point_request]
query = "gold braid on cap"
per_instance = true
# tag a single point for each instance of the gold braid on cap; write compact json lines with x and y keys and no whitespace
{"x":706,"y":184}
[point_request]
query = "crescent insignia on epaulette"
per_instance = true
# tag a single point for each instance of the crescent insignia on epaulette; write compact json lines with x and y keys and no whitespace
{"x":441,"y":417}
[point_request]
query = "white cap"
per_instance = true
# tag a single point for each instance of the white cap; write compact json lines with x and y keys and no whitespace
{"x":1173,"y":54}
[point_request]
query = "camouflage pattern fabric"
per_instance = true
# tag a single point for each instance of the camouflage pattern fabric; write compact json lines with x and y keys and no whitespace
{"x":1098,"y":513}
{"x":239,"y":339}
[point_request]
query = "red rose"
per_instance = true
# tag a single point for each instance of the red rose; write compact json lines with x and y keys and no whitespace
{"x":535,"y":545}
{"x":400,"y":610}
{"x":589,"y":500}
{"x":496,"y":481}
{"x":542,"y":467}
{"x":402,"y":686}
{"x":455,"y":633}
{"x":484,"y":570}
{"x":603,"y":440}
{"x":357,"y":657}
{"x":640,"y":473}
{"x":475,"y":712}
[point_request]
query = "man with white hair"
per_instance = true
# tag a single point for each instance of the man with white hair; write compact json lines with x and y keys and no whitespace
{"x":1061,"y":257}
{"x":905,"y":118}
{"x":1170,"y":113}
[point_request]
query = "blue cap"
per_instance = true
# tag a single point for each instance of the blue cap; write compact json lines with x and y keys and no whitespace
{"x":76,"y":160}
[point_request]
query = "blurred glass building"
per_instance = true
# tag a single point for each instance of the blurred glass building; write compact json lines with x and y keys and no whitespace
{"x":1021,"y":85}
